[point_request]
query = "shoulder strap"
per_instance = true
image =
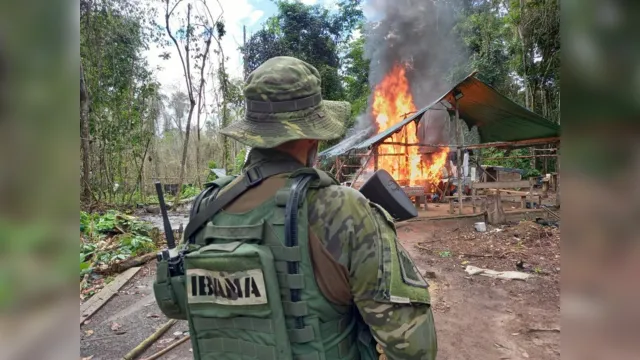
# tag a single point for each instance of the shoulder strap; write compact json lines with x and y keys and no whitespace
{"x":211,"y":190}
{"x":322,"y":178}
{"x":297,"y":194}
{"x":253,"y":177}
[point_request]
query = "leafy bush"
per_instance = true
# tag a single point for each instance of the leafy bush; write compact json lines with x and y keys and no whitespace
{"x":189,"y":191}
{"x":239,"y":163}
{"x":112,"y":237}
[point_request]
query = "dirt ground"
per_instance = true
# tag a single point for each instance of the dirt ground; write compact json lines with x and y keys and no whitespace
{"x":483,"y":318}
{"x":477,"y":317}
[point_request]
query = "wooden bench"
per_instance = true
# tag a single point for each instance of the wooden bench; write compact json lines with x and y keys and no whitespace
{"x":506,"y":187}
{"x":493,"y":187}
{"x":522,"y":195}
{"x":473,"y":198}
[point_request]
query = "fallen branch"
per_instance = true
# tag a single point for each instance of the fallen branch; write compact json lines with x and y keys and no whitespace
{"x":544,"y":329}
{"x":430,"y":241}
{"x":148,"y":341}
{"x":509,"y":252}
{"x":478,"y":255}
{"x":423,"y":248}
{"x":168,"y":348}
{"x":126,"y":264}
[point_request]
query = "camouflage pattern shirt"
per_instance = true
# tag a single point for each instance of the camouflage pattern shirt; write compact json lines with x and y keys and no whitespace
{"x":386,"y":287}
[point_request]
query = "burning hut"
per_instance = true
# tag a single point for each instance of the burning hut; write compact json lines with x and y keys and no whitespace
{"x":418,"y":147}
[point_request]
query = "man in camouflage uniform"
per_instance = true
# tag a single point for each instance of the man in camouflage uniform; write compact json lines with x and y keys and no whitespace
{"x":352,"y":241}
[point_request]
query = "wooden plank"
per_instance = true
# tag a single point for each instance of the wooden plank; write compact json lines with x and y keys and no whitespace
{"x":510,"y":192}
{"x":98,"y":300}
{"x":501,"y":184}
{"x":465,"y":196}
{"x":473,"y":200}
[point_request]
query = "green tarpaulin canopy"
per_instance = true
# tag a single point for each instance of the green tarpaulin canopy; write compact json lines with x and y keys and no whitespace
{"x":497,"y":117}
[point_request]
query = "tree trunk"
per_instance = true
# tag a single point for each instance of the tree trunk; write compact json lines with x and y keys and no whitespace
{"x":185,"y":149}
{"x":525,"y":76}
{"x":192,"y":102}
{"x":155,"y":158}
{"x":532,"y":161}
{"x":200,"y":106}
{"x":85,"y":134}
{"x":226,"y":149}
{"x":140,"y":177}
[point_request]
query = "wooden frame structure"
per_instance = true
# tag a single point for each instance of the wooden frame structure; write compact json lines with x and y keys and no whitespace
{"x":481,"y":106}
{"x":347,"y":161}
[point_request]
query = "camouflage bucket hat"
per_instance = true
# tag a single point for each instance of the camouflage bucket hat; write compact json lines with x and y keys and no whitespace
{"x":283,"y":103}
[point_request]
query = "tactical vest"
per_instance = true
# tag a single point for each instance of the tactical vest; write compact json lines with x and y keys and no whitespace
{"x":250,"y":287}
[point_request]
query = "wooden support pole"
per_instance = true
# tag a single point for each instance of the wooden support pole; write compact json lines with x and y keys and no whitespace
{"x":473,"y":200}
{"x":459,"y":172}
{"x":495,"y":212}
{"x":364,"y":166}
{"x":375,"y":158}
{"x":546,"y":162}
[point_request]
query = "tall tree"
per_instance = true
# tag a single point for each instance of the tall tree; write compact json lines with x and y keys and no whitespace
{"x":195,"y":39}
{"x":356,"y":74}
{"x":84,"y":136}
{"x":482,"y":30}
{"x":311,"y":33}
{"x":534,"y":48}
{"x":115,"y":97}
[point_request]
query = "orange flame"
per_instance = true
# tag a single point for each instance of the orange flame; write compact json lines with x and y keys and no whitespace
{"x":392,"y":102}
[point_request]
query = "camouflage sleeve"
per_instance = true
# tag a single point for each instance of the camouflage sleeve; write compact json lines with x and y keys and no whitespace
{"x":387,"y":289}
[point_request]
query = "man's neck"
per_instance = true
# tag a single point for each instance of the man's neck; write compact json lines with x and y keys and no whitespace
{"x":260,"y":156}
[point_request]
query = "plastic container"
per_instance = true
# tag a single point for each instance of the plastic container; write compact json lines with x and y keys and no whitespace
{"x":480,"y":226}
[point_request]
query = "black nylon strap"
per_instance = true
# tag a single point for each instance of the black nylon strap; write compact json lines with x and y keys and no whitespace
{"x":296,"y":196}
{"x":196,"y":203}
{"x":253,"y":177}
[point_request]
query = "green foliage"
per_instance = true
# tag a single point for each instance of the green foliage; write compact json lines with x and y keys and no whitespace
{"x":356,"y":70}
{"x":123,"y":96}
{"x":310,"y":33}
{"x":100,"y":232}
{"x":239,"y":161}
{"x":189,"y":191}
{"x":515,"y":47}
{"x":495,"y":157}
{"x":356,"y":81}
{"x":482,"y":31}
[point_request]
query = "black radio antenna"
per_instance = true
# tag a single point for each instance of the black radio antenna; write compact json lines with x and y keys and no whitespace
{"x":171,"y":242}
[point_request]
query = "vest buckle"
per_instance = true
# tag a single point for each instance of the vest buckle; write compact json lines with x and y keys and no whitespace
{"x":253,"y":176}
